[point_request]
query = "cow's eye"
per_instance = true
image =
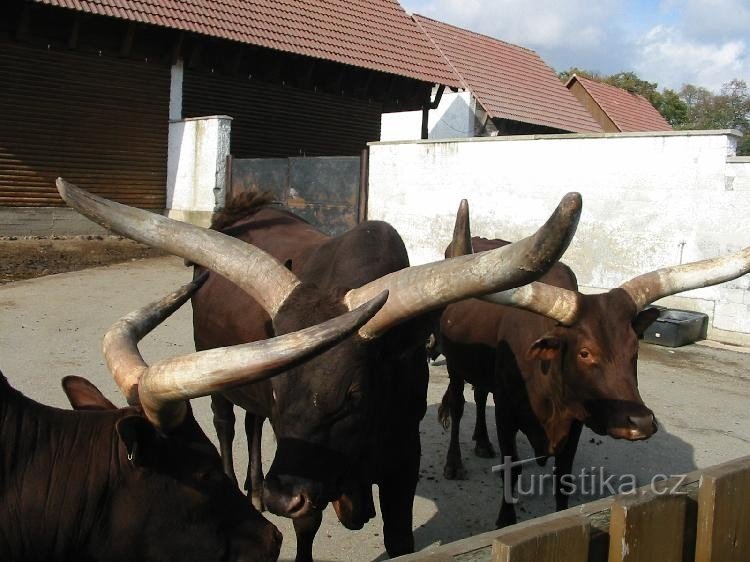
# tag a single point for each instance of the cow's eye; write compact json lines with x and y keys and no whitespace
{"x":584,"y":354}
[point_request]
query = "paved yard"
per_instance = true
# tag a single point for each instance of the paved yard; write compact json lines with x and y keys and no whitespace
{"x":52,"y":327}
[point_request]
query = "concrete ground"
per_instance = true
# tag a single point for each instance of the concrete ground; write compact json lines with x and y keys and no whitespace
{"x":52,"y":327}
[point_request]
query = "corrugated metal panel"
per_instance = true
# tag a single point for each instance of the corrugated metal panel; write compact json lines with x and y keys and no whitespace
{"x":100,"y":122}
{"x":274,"y":121}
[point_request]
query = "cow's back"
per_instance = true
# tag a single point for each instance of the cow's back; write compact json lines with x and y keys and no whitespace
{"x":473,"y":330}
{"x":223,"y":314}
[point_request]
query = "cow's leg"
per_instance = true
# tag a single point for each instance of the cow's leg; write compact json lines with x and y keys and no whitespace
{"x":483,"y":447}
{"x":506,"y":434}
{"x":305,"y":528}
{"x":223,"y":411}
{"x":564,"y":465}
{"x":397,"y":502}
{"x":254,"y":479}
{"x":453,"y":405}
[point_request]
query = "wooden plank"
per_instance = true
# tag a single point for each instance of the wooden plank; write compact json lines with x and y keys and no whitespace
{"x":647,"y":525}
{"x":565,"y":539}
{"x":723,"y":533}
{"x":597,"y":513}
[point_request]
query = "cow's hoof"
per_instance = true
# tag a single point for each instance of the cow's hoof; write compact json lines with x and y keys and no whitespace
{"x":484,"y":450}
{"x":257,"y":501}
{"x":451,"y":472}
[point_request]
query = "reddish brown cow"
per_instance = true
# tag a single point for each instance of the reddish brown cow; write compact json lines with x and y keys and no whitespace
{"x":143,"y":482}
{"x":555,"y":358}
{"x":349,"y":419}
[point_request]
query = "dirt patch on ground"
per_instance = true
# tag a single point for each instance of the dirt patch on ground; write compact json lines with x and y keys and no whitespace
{"x":26,"y":258}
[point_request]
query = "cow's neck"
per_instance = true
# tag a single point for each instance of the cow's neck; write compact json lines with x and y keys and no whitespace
{"x":552,"y":415}
{"x":54,"y":469}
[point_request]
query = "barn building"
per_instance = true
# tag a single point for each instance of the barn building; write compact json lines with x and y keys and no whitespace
{"x":505,"y":89}
{"x":88,"y":88}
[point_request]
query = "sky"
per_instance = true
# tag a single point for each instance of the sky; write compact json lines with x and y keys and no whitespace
{"x":670,"y":42}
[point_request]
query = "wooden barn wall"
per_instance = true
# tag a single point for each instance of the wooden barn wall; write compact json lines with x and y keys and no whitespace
{"x":100,"y":122}
{"x":273,"y":121}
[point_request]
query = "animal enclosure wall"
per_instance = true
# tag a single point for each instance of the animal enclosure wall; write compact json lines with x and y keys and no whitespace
{"x":649,"y":201}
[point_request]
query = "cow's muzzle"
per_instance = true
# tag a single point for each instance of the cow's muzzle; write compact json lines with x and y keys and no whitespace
{"x":621,"y":419}
{"x":292,"y":497}
{"x":638,"y":427}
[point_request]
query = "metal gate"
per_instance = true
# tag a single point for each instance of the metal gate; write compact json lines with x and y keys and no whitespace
{"x":327,"y":191}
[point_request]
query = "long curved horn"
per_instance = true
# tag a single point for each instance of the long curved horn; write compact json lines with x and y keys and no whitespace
{"x":461,"y":243}
{"x":250,"y":268}
{"x":556,"y":303}
{"x":164,"y":388}
{"x":553,"y":302}
{"x":422,"y":288}
{"x":652,"y":286}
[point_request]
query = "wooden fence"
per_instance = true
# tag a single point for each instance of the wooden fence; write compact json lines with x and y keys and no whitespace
{"x":704,"y":517}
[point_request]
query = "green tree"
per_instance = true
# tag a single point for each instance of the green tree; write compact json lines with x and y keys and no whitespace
{"x":728,"y":110}
{"x":692,"y":107}
{"x":632,"y":83}
{"x":672,"y":108}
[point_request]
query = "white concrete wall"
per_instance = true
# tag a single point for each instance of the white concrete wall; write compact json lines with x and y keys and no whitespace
{"x":453,"y":118}
{"x":650,"y":200}
{"x":738,"y":173}
{"x":196,"y":170}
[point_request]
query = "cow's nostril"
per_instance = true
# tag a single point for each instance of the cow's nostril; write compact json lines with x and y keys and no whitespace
{"x":643,"y":423}
{"x":296,"y":504}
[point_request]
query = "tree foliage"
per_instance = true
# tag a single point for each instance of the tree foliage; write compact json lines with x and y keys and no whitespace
{"x":692,"y":107}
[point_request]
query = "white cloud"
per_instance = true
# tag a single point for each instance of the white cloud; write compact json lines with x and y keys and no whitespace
{"x":715,"y":19}
{"x":543,"y":23}
{"x":702,"y":42}
{"x":665,"y":54}
{"x":565,"y":33}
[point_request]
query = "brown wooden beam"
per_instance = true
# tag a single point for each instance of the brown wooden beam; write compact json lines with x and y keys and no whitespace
{"x":75,"y":32}
{"x":195,"y":54}
{"x":177,"y":48}
{"x":308,"y":75}
{"x":127,"y":40}
{"x":237,"y":61}
{"x":22,"y":31}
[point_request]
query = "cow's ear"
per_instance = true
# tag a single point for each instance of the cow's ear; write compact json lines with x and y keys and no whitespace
{"x":644,"y":319}
{"x":83,"y":395}
{"x":140,"y":439}
{"x":545,"y":348}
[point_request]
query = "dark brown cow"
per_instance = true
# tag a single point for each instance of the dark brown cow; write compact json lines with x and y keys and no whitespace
{"x":349,"y":418}
{"x":555,"y":358}
{"x":143,"y":482}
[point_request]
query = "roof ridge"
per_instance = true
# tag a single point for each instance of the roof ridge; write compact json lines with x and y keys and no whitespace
{"x":507,"y":80}
{"x":477,"y":33}
{"x":442,"y":54}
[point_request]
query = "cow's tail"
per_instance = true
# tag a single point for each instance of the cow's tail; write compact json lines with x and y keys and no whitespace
{"x":444,"y":410}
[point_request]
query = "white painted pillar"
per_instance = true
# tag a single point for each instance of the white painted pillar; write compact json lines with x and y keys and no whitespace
{"x":196,"y":170}
{"x":175,"y":91}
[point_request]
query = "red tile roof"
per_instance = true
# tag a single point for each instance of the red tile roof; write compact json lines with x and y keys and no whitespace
{"x":509,"y":81}
{"x":373,"y":34}
{"x":629,"y":112}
